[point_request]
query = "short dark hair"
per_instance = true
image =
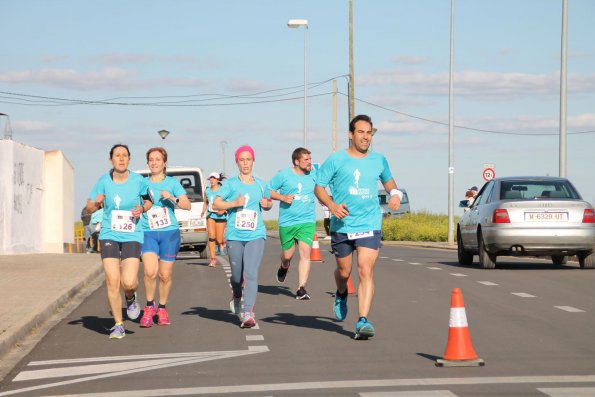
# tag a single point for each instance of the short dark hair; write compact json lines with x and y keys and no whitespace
{"x":297,"y":153}
{"x":117,"y":145}
{"x":361,"y":117}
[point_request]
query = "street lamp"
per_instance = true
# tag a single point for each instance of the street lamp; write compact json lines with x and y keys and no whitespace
{"x":163,"y":134}
{"x":223,"y":147}
{"x":296,"y":23}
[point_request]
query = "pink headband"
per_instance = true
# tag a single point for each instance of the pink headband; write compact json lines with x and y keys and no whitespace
{"x":245,"y":148}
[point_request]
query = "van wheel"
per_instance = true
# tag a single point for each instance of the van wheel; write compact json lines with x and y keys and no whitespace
{"x":486,"y":260}
{"x":586,"y":260}
{"x":559,"y":259}
{"x":464,"y":256}
{"x":203,"y":252}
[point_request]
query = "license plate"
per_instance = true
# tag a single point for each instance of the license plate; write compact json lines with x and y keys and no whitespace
{"x":546,"y":216}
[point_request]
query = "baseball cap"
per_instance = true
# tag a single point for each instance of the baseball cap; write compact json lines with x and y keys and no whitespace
{"x":213,"y":175}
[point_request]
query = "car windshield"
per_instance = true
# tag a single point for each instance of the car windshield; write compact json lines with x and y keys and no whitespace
{"x":383,"y":198}
{"x":536,"y":190}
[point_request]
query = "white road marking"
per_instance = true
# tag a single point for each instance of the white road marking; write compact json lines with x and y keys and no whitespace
{"x":137,"y":364}
{"x":458,"y":274}
{"x":342,"y":384}
{"x":398,"y":260}
{"x":569,"y":309}
{"x":414,"y":263}
{"x":417,"y":393}
{"x":254,"y":337}
{"x":488,"y":283}
{"x":569,"y":391}
{"x":434,"y":268}
{"x":384,"y":257}
{"x":523,"y":294}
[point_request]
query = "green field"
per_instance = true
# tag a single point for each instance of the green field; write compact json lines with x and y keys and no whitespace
{"x":420,"y":226}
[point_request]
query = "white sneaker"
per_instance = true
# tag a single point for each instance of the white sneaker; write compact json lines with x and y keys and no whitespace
{"x":132,"y":309}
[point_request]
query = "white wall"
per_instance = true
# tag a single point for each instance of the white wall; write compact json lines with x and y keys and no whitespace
{"x":21,"y":191}
{"x":58,"y":202}
{"x":36,"y":199}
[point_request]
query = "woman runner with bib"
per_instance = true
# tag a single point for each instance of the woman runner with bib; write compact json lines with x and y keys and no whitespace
{"x":244,"y":197}
{"x":124,"y":196}
{"x":215,"y":219}
{"x":162,"y":236}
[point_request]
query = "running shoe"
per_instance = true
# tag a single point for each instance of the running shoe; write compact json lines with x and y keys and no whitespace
{"x":248,"y":320}
{"x":132,"y":309}
{"x":146,"y":321}
{"x":302,"y":294}
{"x":162,"y":316}
{"x":340,"y":306}
{"x":213,"y":262}
{"x":235,"y":305}
{"x":222,"y":251}
{"x":282,"y":273}
{"x":363,"y":329}
{"x":118,"y":332}
{"x":216,"y":250}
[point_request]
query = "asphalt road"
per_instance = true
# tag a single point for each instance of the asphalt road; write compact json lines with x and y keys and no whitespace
{"x":532,"y":323}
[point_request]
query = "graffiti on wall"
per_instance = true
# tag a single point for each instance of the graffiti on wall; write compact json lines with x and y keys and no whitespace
{"x":23,"y":191}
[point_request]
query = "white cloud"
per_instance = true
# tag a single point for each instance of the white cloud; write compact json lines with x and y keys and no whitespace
{"x":480,"y":84}
{"x":108,"y":78}
{"x":411,"y":59}
{"x":29,"y":125}
{"x":246,"y":86}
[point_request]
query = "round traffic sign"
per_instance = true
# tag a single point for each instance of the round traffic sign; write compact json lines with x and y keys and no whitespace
{"x":488,"y":174}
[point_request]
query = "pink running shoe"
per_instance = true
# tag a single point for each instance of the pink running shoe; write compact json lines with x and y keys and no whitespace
{"x":146,"y":320}
{"x":248,"y":321}
{"x":162,"y":317}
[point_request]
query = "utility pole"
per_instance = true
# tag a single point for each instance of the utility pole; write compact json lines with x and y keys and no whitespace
{"x":351,"y":89}
{"x":334,"y":129}
{"x":563,"y":133}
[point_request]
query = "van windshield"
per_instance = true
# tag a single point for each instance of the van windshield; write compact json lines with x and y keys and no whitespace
{"x":190,"y":181}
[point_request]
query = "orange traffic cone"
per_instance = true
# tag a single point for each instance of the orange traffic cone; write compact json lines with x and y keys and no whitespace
{"x":350,"y":287}
{"x":459,"y":349}
{"x":315,"y":255}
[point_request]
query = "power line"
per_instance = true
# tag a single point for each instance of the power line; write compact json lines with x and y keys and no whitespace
{"x":255,"y":98}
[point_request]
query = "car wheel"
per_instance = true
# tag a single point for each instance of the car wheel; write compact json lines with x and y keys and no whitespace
{"x":559,"y":259}
{"x":486,"y":260}
{"x":586,"y":260}
{"x":465,"y":257}
{"x":203,"y":252}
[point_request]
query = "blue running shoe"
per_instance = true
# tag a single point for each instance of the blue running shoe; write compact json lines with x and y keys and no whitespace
{"x":340,"y":306}
{"x":222,"y":251}
{"x":118,"y":332}
{"x":132,"y":308}
{"x":363,"y":329}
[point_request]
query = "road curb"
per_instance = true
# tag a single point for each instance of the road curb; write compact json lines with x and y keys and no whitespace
{"x":11,"y":339}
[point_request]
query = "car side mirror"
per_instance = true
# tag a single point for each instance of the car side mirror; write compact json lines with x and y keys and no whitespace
{"x":464,"y":203}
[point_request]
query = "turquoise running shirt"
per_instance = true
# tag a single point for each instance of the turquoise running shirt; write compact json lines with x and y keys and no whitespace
{"x":354,"y":182}
{"x":211,"y":197}
{"x":244,"y":223}
{"x":162,"y":214}
{"x":303,"y":207}
{"x":120,"y":198}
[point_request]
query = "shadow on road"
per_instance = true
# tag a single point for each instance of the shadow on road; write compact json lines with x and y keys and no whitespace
{"x":509,"y":263}
{"x":275,"y":290}
{"x":314,"y":322}
{"x":217,"y":315}
{"x":428,"y":356}
{"x":101,"y":325}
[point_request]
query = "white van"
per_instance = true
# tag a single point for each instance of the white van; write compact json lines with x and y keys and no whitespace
{"x":383,"y":198}
{"x":193,"y":227}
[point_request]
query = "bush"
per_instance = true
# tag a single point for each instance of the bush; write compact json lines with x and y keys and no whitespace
{"x":421,"y":226}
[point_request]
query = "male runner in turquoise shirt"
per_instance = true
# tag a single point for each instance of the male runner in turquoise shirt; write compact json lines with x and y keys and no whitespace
{"x":294,"y":188}
{"x":356,"y":219}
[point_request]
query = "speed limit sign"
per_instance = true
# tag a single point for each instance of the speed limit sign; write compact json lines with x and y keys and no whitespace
{"x":488,"y":174}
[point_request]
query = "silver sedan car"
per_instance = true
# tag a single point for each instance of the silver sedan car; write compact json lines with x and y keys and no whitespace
{"x":536,"y":216}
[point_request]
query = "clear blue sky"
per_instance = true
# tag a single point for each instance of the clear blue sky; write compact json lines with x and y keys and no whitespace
{"x":195,"y":55}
